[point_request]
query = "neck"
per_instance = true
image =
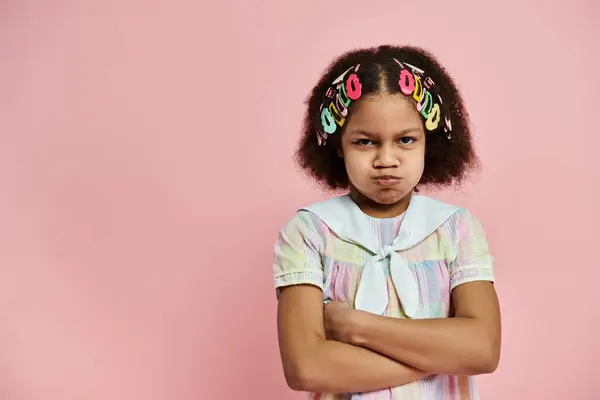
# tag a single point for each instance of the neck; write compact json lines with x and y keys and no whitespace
{"x":378,"y":210}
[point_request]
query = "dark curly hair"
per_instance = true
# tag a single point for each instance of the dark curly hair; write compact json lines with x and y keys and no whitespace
{"x":447,"y":160}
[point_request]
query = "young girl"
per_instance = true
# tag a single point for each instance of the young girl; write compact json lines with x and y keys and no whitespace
{"x":384,"y":293}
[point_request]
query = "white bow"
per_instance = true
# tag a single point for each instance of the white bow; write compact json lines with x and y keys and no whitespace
{"x":423,"y":216}
{"x":373,"y":295}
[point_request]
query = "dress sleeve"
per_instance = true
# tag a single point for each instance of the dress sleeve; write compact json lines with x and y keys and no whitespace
{"x":297,"y":253}
{"x":473,"y":261}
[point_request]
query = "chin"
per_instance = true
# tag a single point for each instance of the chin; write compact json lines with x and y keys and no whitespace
{"x":389,"y":200}
{"x":387,"y":197}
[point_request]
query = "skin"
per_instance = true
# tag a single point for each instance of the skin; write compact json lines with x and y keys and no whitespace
{"x":466,"y":344}
{"x":336,"y":349}
{"x":384,"y":136}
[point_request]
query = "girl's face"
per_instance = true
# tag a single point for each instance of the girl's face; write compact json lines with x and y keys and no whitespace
{"x":383,"y":146}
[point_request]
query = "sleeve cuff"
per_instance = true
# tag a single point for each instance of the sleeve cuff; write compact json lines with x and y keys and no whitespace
{"x":471,"y":274}
{"x":298,"y":278}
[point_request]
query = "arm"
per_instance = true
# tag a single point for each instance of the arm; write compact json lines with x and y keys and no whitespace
{"x":313,"y":364}
{"x":310,"y":361}
{"x":468,"y":344}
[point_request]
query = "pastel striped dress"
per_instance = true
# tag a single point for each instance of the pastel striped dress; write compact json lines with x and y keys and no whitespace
{"x":308,"y":252}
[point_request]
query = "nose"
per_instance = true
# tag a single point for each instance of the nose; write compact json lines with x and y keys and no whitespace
{"x":386,"y":158}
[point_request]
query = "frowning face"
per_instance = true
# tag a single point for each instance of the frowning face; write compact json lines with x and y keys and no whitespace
{"x":383,"y":146}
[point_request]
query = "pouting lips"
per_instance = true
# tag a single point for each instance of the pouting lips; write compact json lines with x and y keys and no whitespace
{"x":386,"y":180}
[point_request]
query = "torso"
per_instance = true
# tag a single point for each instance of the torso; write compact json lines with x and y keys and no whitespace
{"x":428,"y":261}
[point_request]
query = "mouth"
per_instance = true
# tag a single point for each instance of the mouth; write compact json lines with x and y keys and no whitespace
{"x":386,"y":180}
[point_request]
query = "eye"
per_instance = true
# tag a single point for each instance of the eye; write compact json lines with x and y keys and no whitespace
{"x":363,"y":142}
{"x":407,"y":140}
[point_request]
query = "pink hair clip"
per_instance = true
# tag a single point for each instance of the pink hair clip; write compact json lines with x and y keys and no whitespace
{"x":343,"y":91}
{"x":347,"y":88}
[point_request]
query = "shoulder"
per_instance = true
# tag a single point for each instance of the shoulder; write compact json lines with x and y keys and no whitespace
{"x":324,"y":213}
{"x":303,"y":228}
{"x":458,"y":213}
{"x":459,"y":218}
{"x":465,"y":220}
{"x":312,"y":222}
{"x":463,"y":228}
{"x":302,"y":221}
{"x":426,"y":215}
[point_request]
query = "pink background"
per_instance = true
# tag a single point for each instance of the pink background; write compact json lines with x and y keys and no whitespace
{"x":144,"y":150}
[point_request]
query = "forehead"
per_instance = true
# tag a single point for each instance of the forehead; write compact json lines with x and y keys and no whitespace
{"x":385,"y":113}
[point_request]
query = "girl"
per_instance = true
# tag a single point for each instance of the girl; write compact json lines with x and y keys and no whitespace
{"x":384,"y":293}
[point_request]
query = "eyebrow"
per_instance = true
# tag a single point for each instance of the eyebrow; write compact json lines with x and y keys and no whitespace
{"x":371,"y":134}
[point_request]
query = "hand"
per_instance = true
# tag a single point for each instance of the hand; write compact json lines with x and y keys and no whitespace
{"x":340,"y":321}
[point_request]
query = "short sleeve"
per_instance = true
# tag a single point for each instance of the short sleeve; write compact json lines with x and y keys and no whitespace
{"x":297,"y":253}
{"x":473,"y":260}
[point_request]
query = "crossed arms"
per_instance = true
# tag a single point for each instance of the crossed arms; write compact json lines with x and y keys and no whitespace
{"x":336,"y":349}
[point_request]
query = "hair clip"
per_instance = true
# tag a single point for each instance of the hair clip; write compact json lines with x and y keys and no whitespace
{"x":342,"y":92}
{"x":347,"y":88}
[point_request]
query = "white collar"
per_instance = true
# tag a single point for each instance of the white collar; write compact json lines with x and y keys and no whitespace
{"x":344,"y":218}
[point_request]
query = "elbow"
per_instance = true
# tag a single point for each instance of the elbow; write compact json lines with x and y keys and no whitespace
{"x":294,"y":379}
{"x":303,"y":370}
{"x":485,"y":361}
{"x":301,"y":377}
{"x":490,"y":362}
{"x":301,"y":380}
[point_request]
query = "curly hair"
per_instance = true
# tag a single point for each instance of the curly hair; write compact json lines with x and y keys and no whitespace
{"x":448,"y":160}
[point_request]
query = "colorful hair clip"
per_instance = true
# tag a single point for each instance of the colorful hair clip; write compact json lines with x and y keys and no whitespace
{"x":347,"y":88}
{"x":343,"y":91}
{"x":412,"y":83}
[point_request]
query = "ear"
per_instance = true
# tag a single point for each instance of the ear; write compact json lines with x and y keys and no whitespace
{"x":340,"y":152}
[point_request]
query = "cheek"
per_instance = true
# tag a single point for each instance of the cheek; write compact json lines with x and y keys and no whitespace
{"x":356,"y":162}
{"x":418,"y":163}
